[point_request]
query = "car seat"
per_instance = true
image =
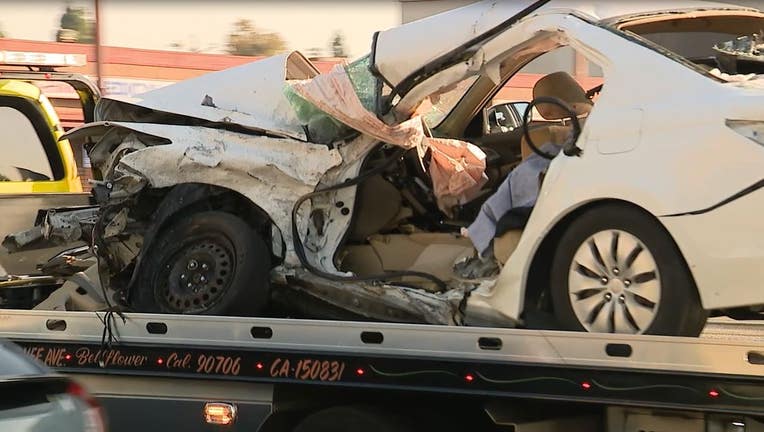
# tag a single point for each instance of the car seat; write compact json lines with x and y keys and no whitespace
{"x":564,"y":87}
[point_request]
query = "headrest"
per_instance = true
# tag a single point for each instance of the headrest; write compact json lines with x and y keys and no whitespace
{"x":562,"y":86}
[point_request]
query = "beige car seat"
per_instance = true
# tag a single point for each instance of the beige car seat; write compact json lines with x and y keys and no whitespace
{"x":562,"y":86}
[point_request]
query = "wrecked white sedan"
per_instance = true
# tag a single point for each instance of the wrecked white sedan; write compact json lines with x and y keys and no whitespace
{"x":349,"y":192}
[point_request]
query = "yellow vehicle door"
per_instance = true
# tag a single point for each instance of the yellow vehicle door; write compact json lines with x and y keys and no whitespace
{"x":36,"y":170}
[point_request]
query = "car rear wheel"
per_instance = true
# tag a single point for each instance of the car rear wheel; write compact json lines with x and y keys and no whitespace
{"x":616,"y":270}
{"x":208,"y":263}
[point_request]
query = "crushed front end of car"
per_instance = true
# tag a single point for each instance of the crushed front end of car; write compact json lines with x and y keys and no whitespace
{"x":253,"y":150}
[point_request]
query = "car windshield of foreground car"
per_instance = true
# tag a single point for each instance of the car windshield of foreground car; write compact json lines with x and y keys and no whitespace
{"x":720,"y":44}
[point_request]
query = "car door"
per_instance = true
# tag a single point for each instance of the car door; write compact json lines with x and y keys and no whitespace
{"x":36,"y":171}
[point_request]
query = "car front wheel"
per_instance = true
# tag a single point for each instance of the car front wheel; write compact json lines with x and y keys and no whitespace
{"x":616,"y":270}
{"x":207,"y":263}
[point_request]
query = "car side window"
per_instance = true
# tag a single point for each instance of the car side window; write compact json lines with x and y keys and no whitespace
{"x":24,"y":157}
{"x":520,"y":108}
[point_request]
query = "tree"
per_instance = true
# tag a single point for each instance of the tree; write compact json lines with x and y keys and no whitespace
{"x":338,"y":45}
{"x":247,"y":40}
{"x":2,"y":33}
{"x":75,"y":19}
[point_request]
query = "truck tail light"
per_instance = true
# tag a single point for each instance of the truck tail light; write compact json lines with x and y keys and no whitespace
{"x":94,"y":418}
{"x":751,"y":129}
{"x":219,"y":413}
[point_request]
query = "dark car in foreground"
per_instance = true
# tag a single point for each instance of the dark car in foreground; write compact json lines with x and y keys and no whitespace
{"x":34,"y":398}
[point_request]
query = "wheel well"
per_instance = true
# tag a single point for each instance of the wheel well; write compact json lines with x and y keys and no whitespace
{"x":181,"y":200}
{"x":536,"y":294}
{"x":292,"y":403}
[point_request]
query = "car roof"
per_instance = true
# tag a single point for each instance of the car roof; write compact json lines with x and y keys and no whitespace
{"x":13,"y":87}
{"x":608,"y":11}
{"x":402,"y":52}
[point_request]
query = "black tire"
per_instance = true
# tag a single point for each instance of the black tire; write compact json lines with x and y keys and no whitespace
{"x":218,"y":255}
{"x":677,"y":313}
{"x":352,"y":419}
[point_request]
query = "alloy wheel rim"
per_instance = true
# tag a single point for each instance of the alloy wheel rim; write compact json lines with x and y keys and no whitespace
{"x":613,"y":284}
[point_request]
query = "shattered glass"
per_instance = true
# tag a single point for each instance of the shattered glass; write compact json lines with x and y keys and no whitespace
{"x":321,"y":127}
{"x":436,"y":106}
{"x":364,"y":82}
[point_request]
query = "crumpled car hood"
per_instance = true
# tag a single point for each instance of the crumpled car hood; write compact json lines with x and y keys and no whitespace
{"x":250,"y":96}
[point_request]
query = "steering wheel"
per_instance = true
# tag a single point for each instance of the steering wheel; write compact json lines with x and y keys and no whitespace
{"x":570,"y":149}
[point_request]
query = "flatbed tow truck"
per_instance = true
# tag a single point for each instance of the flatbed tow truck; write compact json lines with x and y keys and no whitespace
{"x":159,"y":372}
{"x":172,"y":372}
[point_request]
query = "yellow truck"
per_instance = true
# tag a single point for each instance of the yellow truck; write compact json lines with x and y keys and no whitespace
{"x":37,"y":170}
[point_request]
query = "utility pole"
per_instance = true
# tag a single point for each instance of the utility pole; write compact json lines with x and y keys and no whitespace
{"x":99,"y":52}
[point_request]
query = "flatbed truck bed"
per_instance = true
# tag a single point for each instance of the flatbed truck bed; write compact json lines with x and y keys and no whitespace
{"x":159,"y":371}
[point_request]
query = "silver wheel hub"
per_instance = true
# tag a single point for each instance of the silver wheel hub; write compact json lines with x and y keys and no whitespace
{"x":613,"y":284}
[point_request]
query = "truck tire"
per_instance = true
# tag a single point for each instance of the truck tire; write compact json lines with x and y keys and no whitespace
{"x":352,"y":419}
{"x":616,"y":270}
{"x":209,"y":263}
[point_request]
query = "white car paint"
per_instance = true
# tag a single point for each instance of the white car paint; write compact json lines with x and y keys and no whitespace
{"x":234,"y":96}
{"x":239,"y":162}
{"x":656,"y":139}
{"x":678,"y":158}
{"x":401,"y":51}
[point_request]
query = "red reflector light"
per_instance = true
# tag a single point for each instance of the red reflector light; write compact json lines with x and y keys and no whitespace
{"x":469,"y":378}
{"x":259,"y":366}
{"x":68,"y":357}
{"x":360,"y":371}
{"x":160,"y":361}
{"x":586,"y":386}
{"x":93,"y":416}
{"x":47,"y":76}
{"x":713,"y":393}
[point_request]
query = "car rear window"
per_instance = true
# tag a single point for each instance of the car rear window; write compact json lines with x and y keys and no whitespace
{"x":725,"y":43}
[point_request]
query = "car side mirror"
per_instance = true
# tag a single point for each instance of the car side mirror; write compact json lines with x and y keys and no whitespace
{"x":504,"y":117}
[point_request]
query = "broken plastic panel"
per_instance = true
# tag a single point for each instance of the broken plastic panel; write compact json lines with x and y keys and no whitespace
{"x":742,"y":55}
{"x":751,"y":46}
